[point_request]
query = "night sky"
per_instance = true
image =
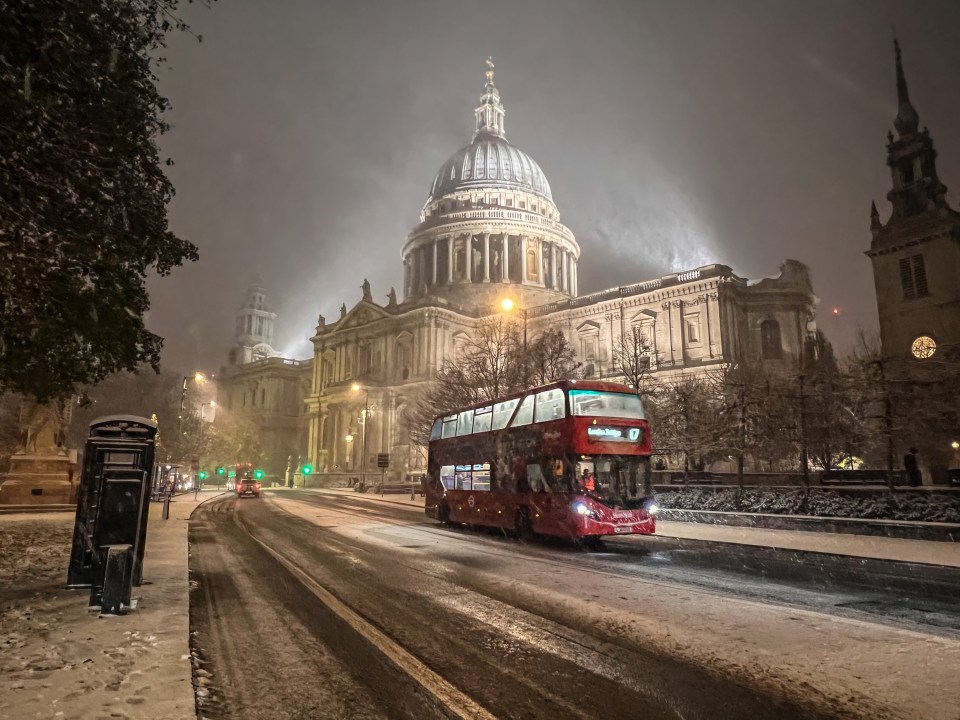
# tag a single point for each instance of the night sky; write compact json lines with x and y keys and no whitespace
{"x":306,"y":135}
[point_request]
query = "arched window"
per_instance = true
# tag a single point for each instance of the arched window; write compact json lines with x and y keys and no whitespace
{"x":770,"y":345}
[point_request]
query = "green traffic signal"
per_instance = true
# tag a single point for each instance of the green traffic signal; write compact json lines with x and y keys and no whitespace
{"x":258,"y":474}
{"x":220,"y":470}
{"x":202,"y":475}
{"x":307,"y":469}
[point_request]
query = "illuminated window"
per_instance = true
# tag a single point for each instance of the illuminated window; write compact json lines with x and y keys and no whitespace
{"x":524,"y":414}
{"x":483,"y":418}
{"x":465,"y":423}
{"x":549,"y":405}
{"x":502,"y":412}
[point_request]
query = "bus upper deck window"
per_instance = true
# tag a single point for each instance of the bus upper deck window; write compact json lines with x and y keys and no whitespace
{"x":502,"y":412}
{"x":482,"y":419}
{"x":465,"y":423}
{"x":549,"y":405}
{"x":450,"y":426}
{"x":524,"y":414}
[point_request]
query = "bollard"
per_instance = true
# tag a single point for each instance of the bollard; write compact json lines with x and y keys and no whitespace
{"x":413,"y":495}
{"x":117,"y":578}
{"x":166,"y":507}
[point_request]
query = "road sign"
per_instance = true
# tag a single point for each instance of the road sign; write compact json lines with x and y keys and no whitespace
{"x":383,"y":460}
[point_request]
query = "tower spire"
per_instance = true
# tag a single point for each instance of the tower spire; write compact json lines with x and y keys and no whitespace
{"x":907,"y":120}
{"x":490,"y":112}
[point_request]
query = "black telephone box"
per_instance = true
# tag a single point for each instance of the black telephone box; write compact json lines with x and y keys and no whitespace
{"x":113,"y":498}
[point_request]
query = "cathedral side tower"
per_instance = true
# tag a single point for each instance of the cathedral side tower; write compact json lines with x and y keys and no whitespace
{"x":916,"y":266}
{"x":916,"y":253}
{"x":253,"y":335}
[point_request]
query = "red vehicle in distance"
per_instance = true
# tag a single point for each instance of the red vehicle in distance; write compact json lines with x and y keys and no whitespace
{"x":246,"y":482}
{"x":571,"y":459}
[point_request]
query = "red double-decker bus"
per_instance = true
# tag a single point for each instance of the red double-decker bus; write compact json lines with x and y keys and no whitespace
{"x":571,"y":458}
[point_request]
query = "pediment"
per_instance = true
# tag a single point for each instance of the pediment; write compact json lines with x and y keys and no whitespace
{"x":644,"y":316}
{"x":362,"y":314}
{"x":588,"y":326}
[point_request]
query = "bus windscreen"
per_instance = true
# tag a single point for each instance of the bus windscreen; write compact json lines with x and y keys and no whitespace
{"x":598,"y":403}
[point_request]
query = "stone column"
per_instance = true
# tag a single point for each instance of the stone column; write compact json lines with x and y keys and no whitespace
{"x":486,"y":257}
{"x":435,"y":243}
{"x":553,"y":266}
{"x":523,"y":259}
{"x":505,"y":258}
{"x":449,"y":259}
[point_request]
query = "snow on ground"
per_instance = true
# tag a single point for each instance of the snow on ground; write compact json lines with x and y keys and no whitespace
{"x":58,"y":658}
{"x":858,"y":666}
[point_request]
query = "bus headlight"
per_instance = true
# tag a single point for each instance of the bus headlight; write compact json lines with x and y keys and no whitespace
{"x":653,"y":508}
{"x":582,"y":509}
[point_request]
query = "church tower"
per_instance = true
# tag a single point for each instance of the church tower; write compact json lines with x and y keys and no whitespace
{"x":253,"y":336}
{"x":916,"y":268}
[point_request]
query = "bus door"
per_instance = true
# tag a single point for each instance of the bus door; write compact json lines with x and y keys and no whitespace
{"x":550,"y":495}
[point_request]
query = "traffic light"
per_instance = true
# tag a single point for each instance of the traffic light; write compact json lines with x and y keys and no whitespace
{"x":307,"y":469}
{"x":202,"y":475}
{"x":221,"y":470}
{"x":258,"y":474}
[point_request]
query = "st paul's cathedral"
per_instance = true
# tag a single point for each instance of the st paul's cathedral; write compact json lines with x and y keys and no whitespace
{"x":488,"y":230}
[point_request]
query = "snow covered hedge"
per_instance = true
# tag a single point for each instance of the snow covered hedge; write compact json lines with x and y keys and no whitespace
{"x":821,"y":503}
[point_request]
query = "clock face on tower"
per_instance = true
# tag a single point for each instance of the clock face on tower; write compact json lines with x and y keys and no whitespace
{"x":923,"y":347}
{"x":261,"y":352}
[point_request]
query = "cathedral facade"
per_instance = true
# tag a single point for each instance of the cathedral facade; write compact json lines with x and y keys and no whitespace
{"x":490,"y":230}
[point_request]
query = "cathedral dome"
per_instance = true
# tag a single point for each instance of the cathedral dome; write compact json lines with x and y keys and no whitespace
{"x":489,"y":161}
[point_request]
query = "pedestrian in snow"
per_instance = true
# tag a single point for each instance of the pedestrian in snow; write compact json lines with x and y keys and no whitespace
{"x":912,"y":469}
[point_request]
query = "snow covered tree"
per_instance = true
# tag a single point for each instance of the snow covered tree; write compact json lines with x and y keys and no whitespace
{"x":83,"y":196}
{"x":632,"y":358}
{"x":551,"y":357}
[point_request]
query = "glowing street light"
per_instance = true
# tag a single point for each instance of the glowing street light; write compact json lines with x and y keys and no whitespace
{"x":197,"y":377}
{"x":363,"y":437}
{"x":508,"y":305}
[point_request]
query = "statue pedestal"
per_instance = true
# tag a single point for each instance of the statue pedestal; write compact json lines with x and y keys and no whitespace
{"x":38,"y":480}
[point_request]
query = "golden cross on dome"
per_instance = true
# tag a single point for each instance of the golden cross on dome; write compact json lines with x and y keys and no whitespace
{"x":490,"y":70}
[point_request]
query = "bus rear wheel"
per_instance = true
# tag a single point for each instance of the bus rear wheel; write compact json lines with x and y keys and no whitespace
{"x":443,"y":513}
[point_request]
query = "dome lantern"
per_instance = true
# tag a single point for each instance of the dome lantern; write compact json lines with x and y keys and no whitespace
{"x":490,"y":113}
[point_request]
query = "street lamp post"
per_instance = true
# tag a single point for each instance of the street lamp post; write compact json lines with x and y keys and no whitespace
{"x":198,"y":377}
{"x":363,"y":437}
{"x":213,"y":404}
{"x":507,"y":305}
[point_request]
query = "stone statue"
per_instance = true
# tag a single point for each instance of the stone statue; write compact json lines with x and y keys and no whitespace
{"x":43,"y":432}
{"x":321,"y":322}
{"x":343,"y":310}
{"x":391,"y":298}
{"x":366,"y":290}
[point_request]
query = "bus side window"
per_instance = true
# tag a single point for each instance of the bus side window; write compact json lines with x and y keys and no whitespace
{"x":481,"y":422}
{"x":524,"y":414}
{"x":535,"y":478}
{"x":549,"y":405}
{"x":502,"y":412}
